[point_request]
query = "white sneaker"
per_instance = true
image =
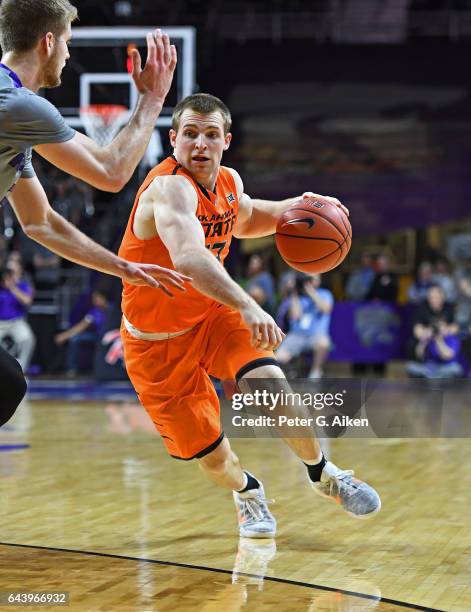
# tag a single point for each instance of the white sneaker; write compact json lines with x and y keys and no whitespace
{"x":251,"y":563}
{"x":255,"y":520}
{"x":316,"y":374}
{"x":356,"y":497}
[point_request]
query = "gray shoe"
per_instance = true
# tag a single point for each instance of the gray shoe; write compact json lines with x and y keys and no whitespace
{"x":356,"y":497}
{"x":255,"y":520}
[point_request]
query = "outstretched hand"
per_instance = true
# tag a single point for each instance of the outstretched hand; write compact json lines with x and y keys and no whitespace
{"x":155,"y":276}
{"x":338,"y":203}
{"x":156,"y":77}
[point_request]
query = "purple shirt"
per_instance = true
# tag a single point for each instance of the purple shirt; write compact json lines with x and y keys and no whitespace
{"x":96,"y":316}
{"x":10,"y":307}
{"x":433,"y":354}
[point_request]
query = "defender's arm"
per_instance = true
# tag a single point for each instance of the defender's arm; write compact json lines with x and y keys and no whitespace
{"x":109,"y":168}
{"x":41,"y":223}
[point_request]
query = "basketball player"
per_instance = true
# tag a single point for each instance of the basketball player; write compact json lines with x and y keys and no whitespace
{"x":34,"y":35}
{"x":184,"y":215}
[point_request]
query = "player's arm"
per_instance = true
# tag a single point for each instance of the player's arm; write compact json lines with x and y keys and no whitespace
{"x":41,"y":223}
{"x":109,"y":168}
{"x":174,"y":201}
{"x":258,"y":218}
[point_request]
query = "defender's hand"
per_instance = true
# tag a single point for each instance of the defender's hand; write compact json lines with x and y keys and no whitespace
{"x":338,"y":203}
{"x":266,"y":334}
{"x":154,"y":276}
{"x":156,"y":78}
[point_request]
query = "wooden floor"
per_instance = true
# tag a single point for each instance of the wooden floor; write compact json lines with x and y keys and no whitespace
{"x":92,"y":505}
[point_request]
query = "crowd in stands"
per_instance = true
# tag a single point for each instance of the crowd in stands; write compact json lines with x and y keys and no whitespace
{"x":438,"y":298}
{"x":31,"y":277}
{"x":438,"y":307}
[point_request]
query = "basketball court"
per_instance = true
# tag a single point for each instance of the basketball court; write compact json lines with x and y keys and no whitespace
{"x":93,"y":505}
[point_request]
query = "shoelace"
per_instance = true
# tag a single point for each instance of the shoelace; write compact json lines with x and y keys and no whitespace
{"x":253,"y":507}
{"x":338,"y":480}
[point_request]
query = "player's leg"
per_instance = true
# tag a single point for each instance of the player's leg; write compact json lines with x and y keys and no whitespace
{"x":222,"y":467}
{"x":12,"y":386}
{"x":356,"y":497}
{"x":321,"y":348}
{"x":307,"y":448}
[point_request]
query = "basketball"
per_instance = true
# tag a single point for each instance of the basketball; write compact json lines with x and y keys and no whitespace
{"x":313,"y":235}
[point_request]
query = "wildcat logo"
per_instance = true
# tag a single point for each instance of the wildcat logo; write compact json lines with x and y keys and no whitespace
{"x":310,"y":222}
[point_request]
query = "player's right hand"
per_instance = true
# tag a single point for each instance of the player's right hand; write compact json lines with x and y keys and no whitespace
{"x":334,"y":201}
{"x":266,"y":334}
{"x":155,"y":276}
{"x":156,"y":77}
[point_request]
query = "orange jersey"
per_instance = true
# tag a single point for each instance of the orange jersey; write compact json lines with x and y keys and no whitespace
{"x":150,"y":310}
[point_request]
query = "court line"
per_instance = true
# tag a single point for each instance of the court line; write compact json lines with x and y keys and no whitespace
{"x":218,"y":570}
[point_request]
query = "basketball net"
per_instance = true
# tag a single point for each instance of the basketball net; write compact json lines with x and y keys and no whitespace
{"x":103,"y":121}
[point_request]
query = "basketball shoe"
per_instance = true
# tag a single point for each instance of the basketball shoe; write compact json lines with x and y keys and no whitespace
{"x":251,"y":563}
{"x":255,"y":519}
{"x":356,"y":497}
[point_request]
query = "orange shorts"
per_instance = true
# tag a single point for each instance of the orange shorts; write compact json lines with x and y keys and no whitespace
{"x":171,"y":378}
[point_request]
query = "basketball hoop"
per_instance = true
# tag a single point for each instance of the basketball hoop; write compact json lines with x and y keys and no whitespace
{"x":103,"y":121}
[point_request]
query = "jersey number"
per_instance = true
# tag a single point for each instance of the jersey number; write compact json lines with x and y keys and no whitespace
{"x":217,"y":246}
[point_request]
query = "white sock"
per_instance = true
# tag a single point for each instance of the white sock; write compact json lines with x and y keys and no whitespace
{"x":313,"y":461}
{"x":246,"y":480}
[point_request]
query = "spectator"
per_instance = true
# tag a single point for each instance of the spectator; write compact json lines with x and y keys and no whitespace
{"x":384,"y":286}
{"x":359,"y":281}
{"x":436,"y":338}
{"x":424,"y":280}
{"x":260,"y":283}
{"x":16,"y":295}
{"x":286,"y":283}
{"x":445,"y":280}
{"x":87,"y":331}
{"x":3,"y":250}
{"x":463,"y":304}
{"x":308,"y":310}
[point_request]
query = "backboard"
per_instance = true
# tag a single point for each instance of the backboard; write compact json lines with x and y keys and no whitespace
{"x":96,"y":72}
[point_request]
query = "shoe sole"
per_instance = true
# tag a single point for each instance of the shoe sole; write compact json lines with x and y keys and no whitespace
{"x":258,"y":535}
{"x":365,"y":517}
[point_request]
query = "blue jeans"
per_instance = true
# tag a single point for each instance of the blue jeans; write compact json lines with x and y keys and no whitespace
{"x":431,"y":369}
{"x":74,"y":345}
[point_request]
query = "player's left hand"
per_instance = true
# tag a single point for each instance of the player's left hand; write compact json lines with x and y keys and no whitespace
{"x":155,"y":276}
{"x":338,"y":203}
{"x":156,"y":77}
